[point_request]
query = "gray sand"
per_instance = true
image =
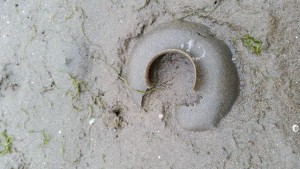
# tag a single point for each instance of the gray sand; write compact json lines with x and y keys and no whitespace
{"x":61,"y":65}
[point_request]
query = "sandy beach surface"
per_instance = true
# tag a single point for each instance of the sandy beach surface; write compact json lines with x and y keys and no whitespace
{"x":64,"y":102}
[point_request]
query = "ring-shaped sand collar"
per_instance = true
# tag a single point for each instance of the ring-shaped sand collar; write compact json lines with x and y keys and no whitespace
{"x":212,"y":61}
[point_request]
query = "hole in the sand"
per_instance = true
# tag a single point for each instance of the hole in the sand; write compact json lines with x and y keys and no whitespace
{"x":171,"y":53}
{"x":172,"y":77}
{"x":170,"y":68}
{"x":114,"y":118}
{"x":117,"y":111}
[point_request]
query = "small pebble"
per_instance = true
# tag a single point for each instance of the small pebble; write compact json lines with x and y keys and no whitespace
{"x":92,"y":121}
{"x":295,"y":128}
{"x":160,"y":116}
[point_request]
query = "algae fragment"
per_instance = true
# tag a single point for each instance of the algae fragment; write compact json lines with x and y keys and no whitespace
{"x":252,"y":43}
{"x":98,"y":101}
{"x":46,"y":138}
{"x":6,"y":146}
{"x":78,"y":85}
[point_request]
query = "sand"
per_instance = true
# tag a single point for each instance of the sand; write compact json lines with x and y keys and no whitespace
{"x":65,"y":104}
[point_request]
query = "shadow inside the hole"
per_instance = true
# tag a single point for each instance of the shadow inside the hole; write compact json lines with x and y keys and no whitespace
{"x":199,"y":76}
{"x":153,"y":79}
{"x":118,"y":109}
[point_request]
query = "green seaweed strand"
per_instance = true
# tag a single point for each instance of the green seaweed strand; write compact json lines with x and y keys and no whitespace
{"x":6,"y":145}
{"x":254,"y":44}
